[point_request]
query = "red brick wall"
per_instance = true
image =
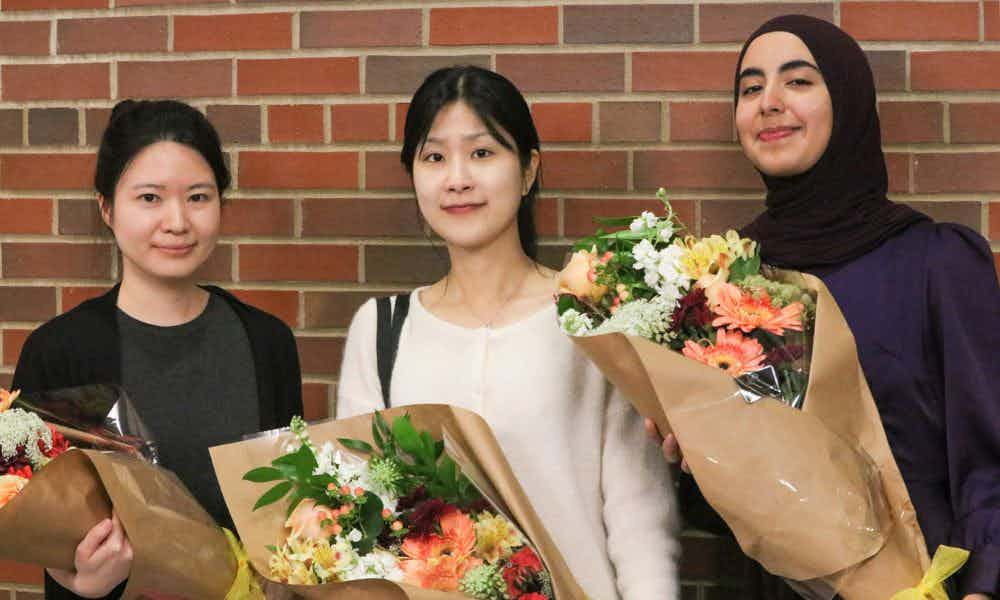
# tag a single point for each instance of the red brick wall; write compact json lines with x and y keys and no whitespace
{"x":310,"y":99}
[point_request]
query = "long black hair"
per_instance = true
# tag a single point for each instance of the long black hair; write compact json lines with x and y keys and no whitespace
{"x":500,"y":106}
{"x":135,"y":125}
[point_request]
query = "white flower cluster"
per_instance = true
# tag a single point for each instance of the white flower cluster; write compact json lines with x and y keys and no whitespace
{"x":378,"y":564}
{"x":662,"y":269}
{"x":20,"y":428}
{"x":351,"y":470}
{"x":574,"y":322}
{"x":648,"y":319}
{"x":647,"y":221}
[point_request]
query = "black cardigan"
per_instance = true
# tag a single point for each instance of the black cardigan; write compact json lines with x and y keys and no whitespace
{"x":82,"y":347}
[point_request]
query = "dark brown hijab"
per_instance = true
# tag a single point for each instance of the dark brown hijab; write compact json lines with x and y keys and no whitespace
{"x":837,"y":210}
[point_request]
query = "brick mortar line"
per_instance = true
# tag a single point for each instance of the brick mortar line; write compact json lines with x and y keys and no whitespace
{"x":425,"y":27}
{"x":24,"y":127}
{"x":547,"y":194}
{"x":297,"y":30}
{"x":957,"y":96}
{"x":328,"y":124}
{"x":338,"y":148}
{"x":982,"y":21}
{"x":338,"y":52}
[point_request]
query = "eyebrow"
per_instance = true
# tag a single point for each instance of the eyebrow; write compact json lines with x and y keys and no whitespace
{"x":157,"y":186}
{"x":467,"y":137}
{"x":788,"y":66}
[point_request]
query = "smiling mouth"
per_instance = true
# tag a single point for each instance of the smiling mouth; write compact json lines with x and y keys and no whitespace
{"x":776,"y":133}
{"x":175,"y":250}
{"x":459,"y":209}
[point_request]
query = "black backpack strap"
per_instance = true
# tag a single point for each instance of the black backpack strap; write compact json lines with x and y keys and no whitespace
{"x":389,"y":327}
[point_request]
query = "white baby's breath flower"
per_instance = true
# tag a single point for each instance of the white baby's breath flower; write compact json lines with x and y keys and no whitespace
{"x":355,"y":535}
{"x":649,"y":319}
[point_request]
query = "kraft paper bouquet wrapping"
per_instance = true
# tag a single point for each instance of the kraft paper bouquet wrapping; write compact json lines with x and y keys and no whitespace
{"x":178,"y":550}
{"x":341,"y":518}
{"x":756,"y":373}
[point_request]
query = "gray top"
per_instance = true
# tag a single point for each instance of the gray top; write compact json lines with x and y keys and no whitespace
{"x":194,"y":386}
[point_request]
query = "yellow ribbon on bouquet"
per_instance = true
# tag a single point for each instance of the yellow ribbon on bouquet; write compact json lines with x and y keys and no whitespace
{"x":946,"y":562}
{"x":245,"y":586}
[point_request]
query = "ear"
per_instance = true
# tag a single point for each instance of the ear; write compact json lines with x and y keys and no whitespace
{"x":530,"y":172}
{"x":106,"y":209}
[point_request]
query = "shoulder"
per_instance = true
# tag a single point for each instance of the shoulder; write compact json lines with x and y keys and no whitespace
{"x":957,"y":254}
{"x":87,"y":323}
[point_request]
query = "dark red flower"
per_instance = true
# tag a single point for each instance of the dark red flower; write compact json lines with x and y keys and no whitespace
{"x":425,"y":517}
{"x":418,"y":495}
{"x":784,"y":354}
{"x":692,"y":310}
{"x":533,"y":596}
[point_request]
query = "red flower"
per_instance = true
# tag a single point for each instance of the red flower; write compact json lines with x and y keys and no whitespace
{"x":521,"y":572}
{"x":533,"y":596}
{"x":22,"y":471}
{"x":59,"y":444}
{"x":692,"y":310}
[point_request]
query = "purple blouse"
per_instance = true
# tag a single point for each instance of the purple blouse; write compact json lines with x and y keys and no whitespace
{"x":924,"y":308}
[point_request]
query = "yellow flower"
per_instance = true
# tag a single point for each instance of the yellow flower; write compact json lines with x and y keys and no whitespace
{"x":704,"y":256}
{"x":496,"y":537}
{"x":740,"y":247}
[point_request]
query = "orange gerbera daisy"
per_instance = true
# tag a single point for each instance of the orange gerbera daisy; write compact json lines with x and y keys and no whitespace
{"x":439,"y":562}
{"x":741,"y":310}
{"x":731,"y":352}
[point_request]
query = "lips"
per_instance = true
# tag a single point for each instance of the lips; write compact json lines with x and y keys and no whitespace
{"x":461,"y":209}
{"x":176,"y":250}
{"x":772,"y":134}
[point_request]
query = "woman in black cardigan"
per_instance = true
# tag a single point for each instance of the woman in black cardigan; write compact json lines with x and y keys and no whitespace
{"x":202,"y":367}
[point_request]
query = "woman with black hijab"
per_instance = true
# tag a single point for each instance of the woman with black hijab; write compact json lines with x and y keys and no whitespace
{"x":921,"y":298}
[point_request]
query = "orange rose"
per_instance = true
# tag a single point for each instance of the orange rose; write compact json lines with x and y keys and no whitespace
{"x":7,"y":398}
{"x":306,"y":521}
{"x":10,"y":486}
{"x":579,"y":276}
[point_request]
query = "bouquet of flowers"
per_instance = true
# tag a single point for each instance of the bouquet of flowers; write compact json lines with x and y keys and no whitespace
{"x":53,"y":493}
{"x":755,"y":372}
{"x":425,"y":504}
{"x":26,"y":444}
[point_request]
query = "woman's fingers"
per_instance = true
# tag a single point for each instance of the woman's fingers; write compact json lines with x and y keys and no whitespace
{"x":92,"y":541}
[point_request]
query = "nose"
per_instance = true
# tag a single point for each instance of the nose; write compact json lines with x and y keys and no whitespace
{"x":771,"y":101}
{"x":459,"y":179}
{"x":175,"y":218}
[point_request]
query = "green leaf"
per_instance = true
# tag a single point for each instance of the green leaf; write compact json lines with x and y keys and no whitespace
{"x":406,"y":436}
{"x":371,"y":523}
{"x":377,"y":436}
{"x":744,"y":267}
{"x":629,"y":235}
{"x":263,"y":474}
{"x":273,"y":495}
{"x":272,"y":548}
{"x":448,"y":472}
{"x":356,"y":445}
{"x":297,"y":496}
{"x":302,"y":459}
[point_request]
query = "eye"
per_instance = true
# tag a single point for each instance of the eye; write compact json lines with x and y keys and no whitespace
{"x":750,"y":89}
{"x":149,"y":197}
{"x":799,"y":82}
{"x":199,"y":197}
{"x":433,"y":157}
{"x":482,"y":153}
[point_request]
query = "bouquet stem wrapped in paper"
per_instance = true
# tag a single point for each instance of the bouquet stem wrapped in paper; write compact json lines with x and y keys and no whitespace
{"x":691,"y":330}
{"x":472,"y":453}
{"x":178,"y":550}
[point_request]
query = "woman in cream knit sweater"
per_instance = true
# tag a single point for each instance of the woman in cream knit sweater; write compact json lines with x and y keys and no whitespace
{"x":485,"y":338}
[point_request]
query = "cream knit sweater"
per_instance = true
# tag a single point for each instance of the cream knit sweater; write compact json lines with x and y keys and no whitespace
{"x":601,"y":488}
